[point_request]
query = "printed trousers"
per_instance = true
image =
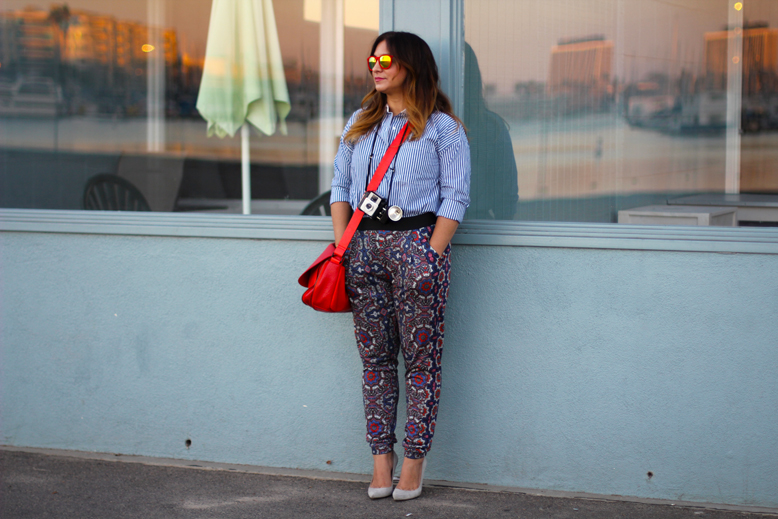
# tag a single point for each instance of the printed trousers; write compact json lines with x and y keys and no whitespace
{"x":398,"y":286}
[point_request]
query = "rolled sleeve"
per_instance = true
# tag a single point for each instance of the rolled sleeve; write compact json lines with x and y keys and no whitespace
{"x":454,"y":157}
{"x":341,"y":180}
{"x":452,"y":209}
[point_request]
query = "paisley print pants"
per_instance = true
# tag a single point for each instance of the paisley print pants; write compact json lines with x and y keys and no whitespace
{"x":398,"y":285}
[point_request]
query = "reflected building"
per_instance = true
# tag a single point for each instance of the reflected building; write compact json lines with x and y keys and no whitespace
{"x":99,"y":62}
{"x":29,"y":64}
{"x":37,"y":42}
{"x":191,"y":71}
{"x":759,"y":70}
{"x":89,"y":48}
{"x":760,"y":58}
{"x":96,"y":40}
{"x":89,"y":38}
{"x":9,"y":50}
{"x":580,"y":72}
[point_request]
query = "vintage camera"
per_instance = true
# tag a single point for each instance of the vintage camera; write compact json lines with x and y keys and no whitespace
{"x":374,"y":206}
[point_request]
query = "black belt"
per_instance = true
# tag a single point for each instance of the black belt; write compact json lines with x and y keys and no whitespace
{"x":405,"y":224}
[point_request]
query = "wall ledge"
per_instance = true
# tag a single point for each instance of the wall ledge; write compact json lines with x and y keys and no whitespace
{"x":746,"y":240}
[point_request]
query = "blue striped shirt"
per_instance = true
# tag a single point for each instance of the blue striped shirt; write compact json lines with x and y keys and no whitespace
{"x":432,"y":174}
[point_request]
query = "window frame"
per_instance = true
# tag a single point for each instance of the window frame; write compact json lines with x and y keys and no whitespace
{"x":447,"y":35}
{"x":471,"y":232}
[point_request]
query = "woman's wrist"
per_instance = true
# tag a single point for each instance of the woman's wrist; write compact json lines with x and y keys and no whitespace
{"x":444,"y":231}
{"x":341,"y":214}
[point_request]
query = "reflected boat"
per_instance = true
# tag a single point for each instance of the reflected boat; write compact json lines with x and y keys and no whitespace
{"x":702,"y":112}
{"x":692,"y":113}
{"x":30,"y":97}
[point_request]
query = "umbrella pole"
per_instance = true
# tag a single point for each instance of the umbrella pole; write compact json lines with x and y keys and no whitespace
{"x":245,"y":168}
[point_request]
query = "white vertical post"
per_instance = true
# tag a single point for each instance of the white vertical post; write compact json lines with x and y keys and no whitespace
{"x":331,"y":71}
{"x":734,"y":96}
{"x":620,"y":61}
{"x":245,"y":168}
{"x":453,"y":80}
{"x":155,"y":77}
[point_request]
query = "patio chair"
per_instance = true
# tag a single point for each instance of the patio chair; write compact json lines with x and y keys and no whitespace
{"x":106,"y":192}
{"x":319,"y":206}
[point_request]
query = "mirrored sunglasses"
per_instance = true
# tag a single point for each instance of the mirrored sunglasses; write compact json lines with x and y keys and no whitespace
{"x":384,"y":60}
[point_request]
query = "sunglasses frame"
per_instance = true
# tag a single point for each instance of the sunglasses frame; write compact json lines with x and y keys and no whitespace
{"x":378,"y":60}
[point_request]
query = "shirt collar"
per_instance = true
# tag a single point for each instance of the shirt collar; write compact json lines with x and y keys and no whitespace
{"x":403,"y":113}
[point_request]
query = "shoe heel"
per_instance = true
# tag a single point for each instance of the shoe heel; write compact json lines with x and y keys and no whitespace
{"x":404,"y":495}
{"x":381,"y":492}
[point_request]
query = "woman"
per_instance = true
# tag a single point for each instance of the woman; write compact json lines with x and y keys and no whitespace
{"x":398,"y":272}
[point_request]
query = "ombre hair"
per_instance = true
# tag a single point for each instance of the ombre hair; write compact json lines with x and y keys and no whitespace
{"x":420,"y":88}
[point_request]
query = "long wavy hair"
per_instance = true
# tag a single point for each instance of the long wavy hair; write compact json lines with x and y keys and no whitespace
{"x":420,"y":88}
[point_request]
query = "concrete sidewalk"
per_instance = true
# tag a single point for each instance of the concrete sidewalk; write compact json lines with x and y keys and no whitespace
{"x":40,"y":484}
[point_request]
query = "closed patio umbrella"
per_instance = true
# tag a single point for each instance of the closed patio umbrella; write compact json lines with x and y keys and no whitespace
{"x":243,"y":79}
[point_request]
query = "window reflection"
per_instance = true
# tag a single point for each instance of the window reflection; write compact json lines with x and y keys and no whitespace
{"x":94,"y":87}
{"x":615,"y":104}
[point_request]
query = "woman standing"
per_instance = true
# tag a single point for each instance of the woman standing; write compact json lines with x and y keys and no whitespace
{"x":397,"y":273}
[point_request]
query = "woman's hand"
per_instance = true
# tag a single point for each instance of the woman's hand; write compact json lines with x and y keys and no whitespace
{"x":437,"y":248}
{"x":341,"y":214}
{"x":441,"y":236}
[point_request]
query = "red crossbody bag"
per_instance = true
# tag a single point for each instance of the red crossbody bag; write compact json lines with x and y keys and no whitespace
{"x":325,"y":280}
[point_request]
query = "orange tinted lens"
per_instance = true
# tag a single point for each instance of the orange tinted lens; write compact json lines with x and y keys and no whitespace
{"x":371,"y":62}
{"x":385,"y":61}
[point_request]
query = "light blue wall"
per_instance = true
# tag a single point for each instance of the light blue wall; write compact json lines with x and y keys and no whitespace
{"x":566,"y":369}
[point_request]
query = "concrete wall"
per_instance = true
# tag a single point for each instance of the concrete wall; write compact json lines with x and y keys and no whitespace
{"x":566,"y":369}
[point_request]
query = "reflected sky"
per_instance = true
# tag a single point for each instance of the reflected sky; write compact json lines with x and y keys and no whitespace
{"x":513,"y":39}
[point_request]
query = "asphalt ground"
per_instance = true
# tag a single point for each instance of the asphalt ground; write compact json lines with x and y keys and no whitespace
{"x":35,"y":485}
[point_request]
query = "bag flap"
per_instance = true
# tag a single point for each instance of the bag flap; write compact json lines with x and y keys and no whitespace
{"x":325,"y":256}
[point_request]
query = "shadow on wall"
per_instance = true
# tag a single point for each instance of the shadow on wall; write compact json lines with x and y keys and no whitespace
{"x":494,"y":184}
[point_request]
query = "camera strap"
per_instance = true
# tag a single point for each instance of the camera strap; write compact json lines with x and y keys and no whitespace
{"x":391,"y":165}
{"x":378,"y":176}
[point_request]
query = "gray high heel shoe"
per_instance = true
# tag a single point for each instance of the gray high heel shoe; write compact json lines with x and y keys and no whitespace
{"x":380,"y":492}
{"x":404,"y":495}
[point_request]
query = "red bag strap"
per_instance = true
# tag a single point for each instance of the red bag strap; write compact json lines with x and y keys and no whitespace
{"x":378,"y":176}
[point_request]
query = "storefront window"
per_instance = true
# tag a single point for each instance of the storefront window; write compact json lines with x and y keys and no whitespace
{"x":579,"y":110}
{"x":104,"y":92}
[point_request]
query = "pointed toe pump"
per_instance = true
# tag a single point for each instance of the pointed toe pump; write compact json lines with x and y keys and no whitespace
{"x":404,"y":495}
{"x":381,"y":492}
